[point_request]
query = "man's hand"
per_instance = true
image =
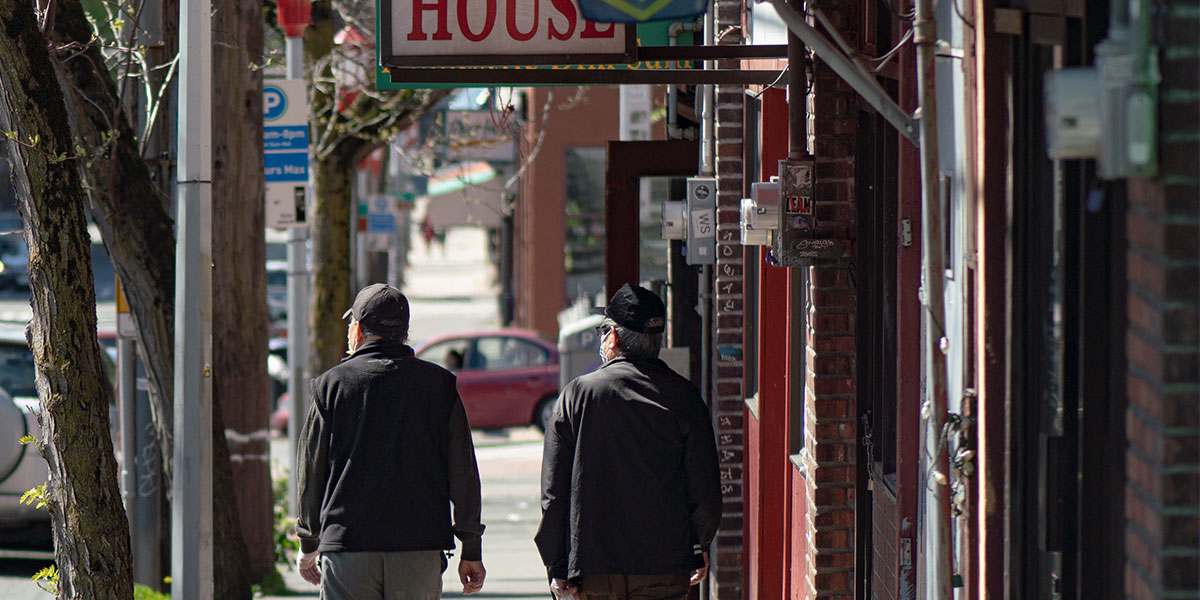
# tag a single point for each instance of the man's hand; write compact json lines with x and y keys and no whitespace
{"x":700,"y":574}
{"x":307,"y":565}
{"x":563,"y":589}
{"x":471,"y":573}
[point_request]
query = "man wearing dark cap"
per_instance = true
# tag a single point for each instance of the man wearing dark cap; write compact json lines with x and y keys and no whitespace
{"x":631,"y":493}
{"x":384,"y":453}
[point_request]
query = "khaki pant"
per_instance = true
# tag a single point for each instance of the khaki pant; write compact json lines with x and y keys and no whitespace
{"x":670,"y":586}
{"x":382,"y":575}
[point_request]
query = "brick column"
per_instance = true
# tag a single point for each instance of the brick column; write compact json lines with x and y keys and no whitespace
{"x":829,"y":426}
{"x":726,"y":576}
{"x":1162,"y":492}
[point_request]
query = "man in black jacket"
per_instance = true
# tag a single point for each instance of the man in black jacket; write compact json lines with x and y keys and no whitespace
{"x":385,"y":451}
{"x":631,"y":493}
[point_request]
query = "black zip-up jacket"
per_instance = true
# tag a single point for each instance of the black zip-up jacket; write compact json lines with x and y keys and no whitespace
{"x":630,"y":483}
{"x":385,"y":450}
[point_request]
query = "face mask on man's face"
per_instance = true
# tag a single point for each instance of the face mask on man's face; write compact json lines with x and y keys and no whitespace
{"x":603,"y":336}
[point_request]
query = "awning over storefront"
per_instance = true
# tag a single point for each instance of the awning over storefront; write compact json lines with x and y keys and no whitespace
{"x":463,"y":194}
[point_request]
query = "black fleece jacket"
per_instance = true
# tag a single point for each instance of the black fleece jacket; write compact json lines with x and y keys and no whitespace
{"x":385,"y":450}
{"x":630,"y":482}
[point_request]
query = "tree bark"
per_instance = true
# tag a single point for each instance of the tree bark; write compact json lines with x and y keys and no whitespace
{"x":91,"y":534}
{"x":126,"y":206}
{"x":139,"y":234}
{"x":331,"y":231}
{"x":240,"y":323}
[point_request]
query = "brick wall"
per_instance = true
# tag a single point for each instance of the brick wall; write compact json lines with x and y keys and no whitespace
{"x":829,"y":425}
{"x":1162,"y":493}
{"x":727,"y":578}
{"x":883,"y":544}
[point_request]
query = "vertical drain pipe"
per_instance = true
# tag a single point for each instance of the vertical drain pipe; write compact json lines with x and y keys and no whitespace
{"x":706,"y":96}
{"x":934,"y":576}
{"x":797,"y":92}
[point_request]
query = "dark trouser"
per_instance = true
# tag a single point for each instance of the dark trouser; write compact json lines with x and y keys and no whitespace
{"x":383,"y":575}
{"x":669,"y":586}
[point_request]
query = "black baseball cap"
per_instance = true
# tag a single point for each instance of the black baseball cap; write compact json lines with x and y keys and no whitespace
{"x":636,"y":308}
{"x":380,"y":309}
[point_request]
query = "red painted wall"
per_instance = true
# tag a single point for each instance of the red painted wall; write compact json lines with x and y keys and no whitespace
{"x":539,"y":275}
{"x":753,"y":502}
{"x":767,"y":546}
{"x":797,"y":530}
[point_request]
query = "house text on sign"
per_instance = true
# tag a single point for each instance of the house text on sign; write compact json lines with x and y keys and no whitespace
{"x":483,"y":32}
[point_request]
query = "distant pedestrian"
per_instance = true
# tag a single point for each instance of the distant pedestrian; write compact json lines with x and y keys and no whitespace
{"x":428,"y":234}
{"x":385,"y":450}
{"x":631,"y":493}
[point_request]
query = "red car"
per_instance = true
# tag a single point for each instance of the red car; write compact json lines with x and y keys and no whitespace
{"x":506,"y":377}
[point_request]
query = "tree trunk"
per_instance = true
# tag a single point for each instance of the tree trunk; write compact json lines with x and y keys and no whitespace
{"x":139,"y":235}
{"x":240,"y":323}
{"x":91,"y":534}
{"x":126,"y":206}
{"x":331,"y":293}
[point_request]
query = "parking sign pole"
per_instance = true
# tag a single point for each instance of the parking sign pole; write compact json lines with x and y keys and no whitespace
{"x":191,"y":506}
{"x":297,"y":316}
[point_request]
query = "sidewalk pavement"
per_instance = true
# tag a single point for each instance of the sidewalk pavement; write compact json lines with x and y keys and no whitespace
{"x":453,"y":290}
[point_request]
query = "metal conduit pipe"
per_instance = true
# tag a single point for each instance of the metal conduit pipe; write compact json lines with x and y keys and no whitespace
{"x":797,"y":92}
{"x":705,"y":96}
{"x":935,"y":572}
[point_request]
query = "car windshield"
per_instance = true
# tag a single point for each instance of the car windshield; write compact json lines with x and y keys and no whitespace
{"x":17,"y":370}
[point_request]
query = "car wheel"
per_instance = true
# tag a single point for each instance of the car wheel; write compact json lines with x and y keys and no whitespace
{"x":544,"y":412}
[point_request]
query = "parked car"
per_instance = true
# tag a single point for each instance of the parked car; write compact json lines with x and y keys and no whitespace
{"x":21,"y":467}
{"x":14,"y":263}
{"x":506,"y":377}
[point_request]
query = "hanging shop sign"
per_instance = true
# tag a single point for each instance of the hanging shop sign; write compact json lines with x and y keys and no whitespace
{"x":638,"y":11}
{"x":457,"y":43}
{"x":415,"y":33}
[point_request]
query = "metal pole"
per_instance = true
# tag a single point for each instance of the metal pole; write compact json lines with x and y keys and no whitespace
{"x":191,"y":518}
{"x":147,"y":552}
{"x":143,"y":502}
{"x":935,"y":572}
{"x":127,"y":389}
{"x":297,"y":317}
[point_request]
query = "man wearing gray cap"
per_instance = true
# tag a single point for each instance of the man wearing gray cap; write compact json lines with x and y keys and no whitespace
{"x":384,"y":453}
{"x":631,"y":494}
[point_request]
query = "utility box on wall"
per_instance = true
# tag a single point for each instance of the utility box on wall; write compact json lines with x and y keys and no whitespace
{"x":702,"y":221}
{"x":809,"y":233}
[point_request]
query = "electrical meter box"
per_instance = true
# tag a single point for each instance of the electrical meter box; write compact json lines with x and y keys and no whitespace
{"x":760,"y":214}
{"x":809,"y":233}
{"x":674,"y":220}
{"x":1072,"y":113}
{"x":1107,"y":112}
{"x":701,"y":221}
